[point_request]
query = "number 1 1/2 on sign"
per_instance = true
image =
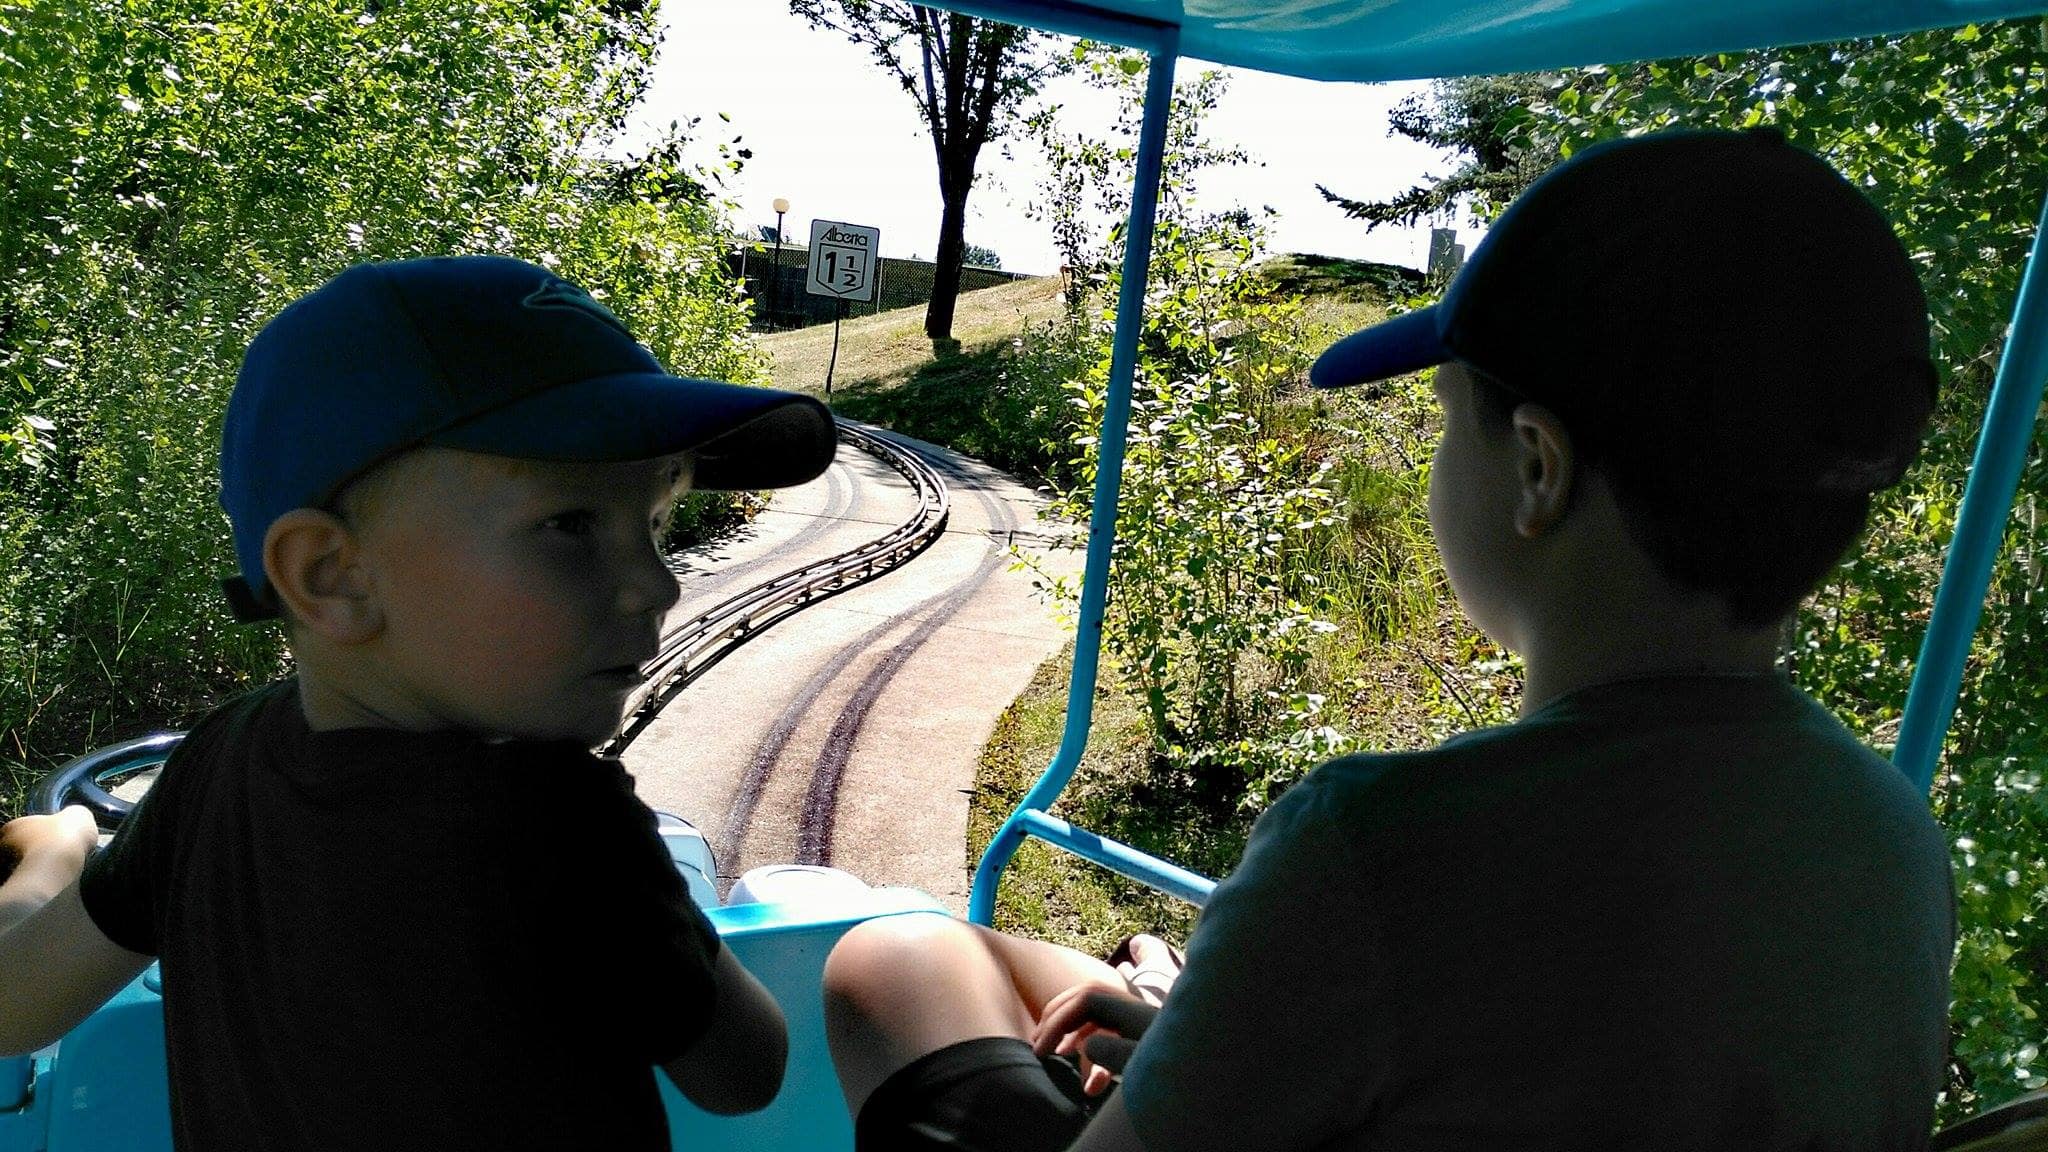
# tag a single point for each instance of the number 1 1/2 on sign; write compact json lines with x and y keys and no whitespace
{"x":843,"y":269}
{"x":844,"y":260}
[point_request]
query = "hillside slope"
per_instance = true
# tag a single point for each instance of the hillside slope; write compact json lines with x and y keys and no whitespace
{"x":882,"y":352}
{"x":888,"y":348}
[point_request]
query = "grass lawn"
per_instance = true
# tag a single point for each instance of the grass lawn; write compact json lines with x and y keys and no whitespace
{"x":878,"y":353}
{"x":1344,"y":295}
{"x":887,"y":348}
{"x":1047,"y":894}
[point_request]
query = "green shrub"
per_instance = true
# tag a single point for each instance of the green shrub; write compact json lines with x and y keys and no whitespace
{"x":172,"y":179}
{"x":1006,"y":404}
{"x":1212,"y":616}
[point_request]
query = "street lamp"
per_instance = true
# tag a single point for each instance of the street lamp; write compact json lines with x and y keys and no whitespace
{"x":775,"y":299}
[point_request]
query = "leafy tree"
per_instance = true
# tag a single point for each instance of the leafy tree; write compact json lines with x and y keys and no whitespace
{"x":661,"y":175}
{"x":1481,"y":121}
{"x":1206,"y":614}
{"x":982,"y":257}
{"x":1085,"y":195}
{"x":968,"y":77}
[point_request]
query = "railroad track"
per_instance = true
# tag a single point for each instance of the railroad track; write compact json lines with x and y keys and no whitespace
{"x":686,"y":650}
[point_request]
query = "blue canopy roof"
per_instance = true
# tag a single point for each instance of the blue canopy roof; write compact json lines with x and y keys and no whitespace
{"x":1411,"y":39}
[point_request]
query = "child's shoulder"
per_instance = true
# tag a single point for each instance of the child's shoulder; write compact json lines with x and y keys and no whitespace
{"x":1356,"y":794}
{"x":245,"y":717}
{"x":1364,"y":775}
{"x":1585,"y":730}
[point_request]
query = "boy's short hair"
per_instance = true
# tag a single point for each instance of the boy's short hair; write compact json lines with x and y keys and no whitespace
{"x":481,"y":353}
{"x":1729,"y":331}
{"x":1758,"y":550}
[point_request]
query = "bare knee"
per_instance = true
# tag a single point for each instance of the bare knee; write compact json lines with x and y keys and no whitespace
{"x":899,"y":987}
{"x":884,"y":965}
{"x":921,"y":981}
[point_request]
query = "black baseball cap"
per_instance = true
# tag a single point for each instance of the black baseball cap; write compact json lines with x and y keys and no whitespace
{"x":486,"y":354}
{"x":1693,"y":305}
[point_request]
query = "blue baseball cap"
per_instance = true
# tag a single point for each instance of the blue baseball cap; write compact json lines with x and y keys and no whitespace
{"x":1692,"y":304}
{"x":485,"y":354}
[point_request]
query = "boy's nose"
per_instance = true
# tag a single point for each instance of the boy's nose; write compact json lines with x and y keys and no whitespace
{"x":649,"y":585}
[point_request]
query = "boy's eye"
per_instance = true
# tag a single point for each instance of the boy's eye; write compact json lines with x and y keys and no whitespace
{"x":576,"y":523}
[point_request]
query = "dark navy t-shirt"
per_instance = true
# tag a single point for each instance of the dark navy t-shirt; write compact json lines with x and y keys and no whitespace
{"x":374,"y":939}
{"x":1677,"y":914}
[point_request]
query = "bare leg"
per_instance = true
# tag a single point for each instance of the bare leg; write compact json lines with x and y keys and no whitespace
{"x":902,"y":987}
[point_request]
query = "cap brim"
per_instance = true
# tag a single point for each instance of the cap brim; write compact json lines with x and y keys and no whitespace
{"x":1408,"y":343}
{"x":746,"y":438}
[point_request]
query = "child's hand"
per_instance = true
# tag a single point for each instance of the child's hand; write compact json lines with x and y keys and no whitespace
{"x":1103,"y":1024}
{"x":71,"y":829}
{"x":1149,"y":965}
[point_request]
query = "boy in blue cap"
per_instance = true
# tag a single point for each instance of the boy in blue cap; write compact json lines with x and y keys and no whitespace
{"x":397,"y":901}
{"x":1676,"y":905}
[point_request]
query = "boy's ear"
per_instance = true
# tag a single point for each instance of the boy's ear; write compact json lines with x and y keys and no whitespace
{"x":1546,"y":466}
{"x":310,"y":558}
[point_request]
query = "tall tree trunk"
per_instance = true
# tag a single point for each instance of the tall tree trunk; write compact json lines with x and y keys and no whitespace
{"x":967,"y":75}
{"x":938,"y":315}
{"x":959,"y":110}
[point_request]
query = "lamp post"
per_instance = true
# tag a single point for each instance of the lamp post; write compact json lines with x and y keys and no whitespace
{"x":775,"y":299}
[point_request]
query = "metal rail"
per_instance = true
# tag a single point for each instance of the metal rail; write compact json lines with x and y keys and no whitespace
{"x":686,"y":651}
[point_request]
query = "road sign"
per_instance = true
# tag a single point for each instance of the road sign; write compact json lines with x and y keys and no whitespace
{"x":846,"y":261}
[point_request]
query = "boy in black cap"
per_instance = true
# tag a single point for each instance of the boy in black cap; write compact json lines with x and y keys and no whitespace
{"x":396,"y":900}
{"x":1676,"y":905}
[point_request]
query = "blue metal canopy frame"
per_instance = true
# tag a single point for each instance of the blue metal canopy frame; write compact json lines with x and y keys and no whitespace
{"x":1980,"y":525}
{"x":1341,"y":39}
{"x":1161,"y":42}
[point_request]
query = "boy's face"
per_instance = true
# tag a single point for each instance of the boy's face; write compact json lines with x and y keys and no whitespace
{"x":519,"y":597}
{"x":1472,"y":494}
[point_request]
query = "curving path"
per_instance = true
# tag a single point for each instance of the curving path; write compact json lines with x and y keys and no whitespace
{"x":848,"y":733}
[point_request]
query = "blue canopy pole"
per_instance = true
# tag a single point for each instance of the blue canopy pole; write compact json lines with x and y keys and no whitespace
{"x":1109,"y":464}
{"x":1980,"y":526}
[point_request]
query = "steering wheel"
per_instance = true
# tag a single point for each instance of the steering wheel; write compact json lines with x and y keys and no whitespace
{"x":85,"y":780}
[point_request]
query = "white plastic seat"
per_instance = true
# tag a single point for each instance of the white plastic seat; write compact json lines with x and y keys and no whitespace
{"x":795,"y":884}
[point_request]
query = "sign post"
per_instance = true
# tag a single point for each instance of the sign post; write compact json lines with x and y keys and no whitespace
{"x":845,"y":265}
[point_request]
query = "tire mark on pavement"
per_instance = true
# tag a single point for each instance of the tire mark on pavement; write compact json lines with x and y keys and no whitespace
{"x":740,"y":817}
{"x":821,"y":800}
{"x":817,"y":816}
{"x":828,"y":771}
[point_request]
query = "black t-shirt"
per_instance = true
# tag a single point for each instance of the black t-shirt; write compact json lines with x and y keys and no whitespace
{"x":374,"y":939}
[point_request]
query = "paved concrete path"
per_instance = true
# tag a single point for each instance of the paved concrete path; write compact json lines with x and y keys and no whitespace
{"x":848,"y":733}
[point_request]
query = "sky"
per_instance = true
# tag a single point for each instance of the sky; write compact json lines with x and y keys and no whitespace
{"x":833,"y":134}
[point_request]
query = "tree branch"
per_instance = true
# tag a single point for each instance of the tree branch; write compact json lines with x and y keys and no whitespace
{"x":927,"y":37}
